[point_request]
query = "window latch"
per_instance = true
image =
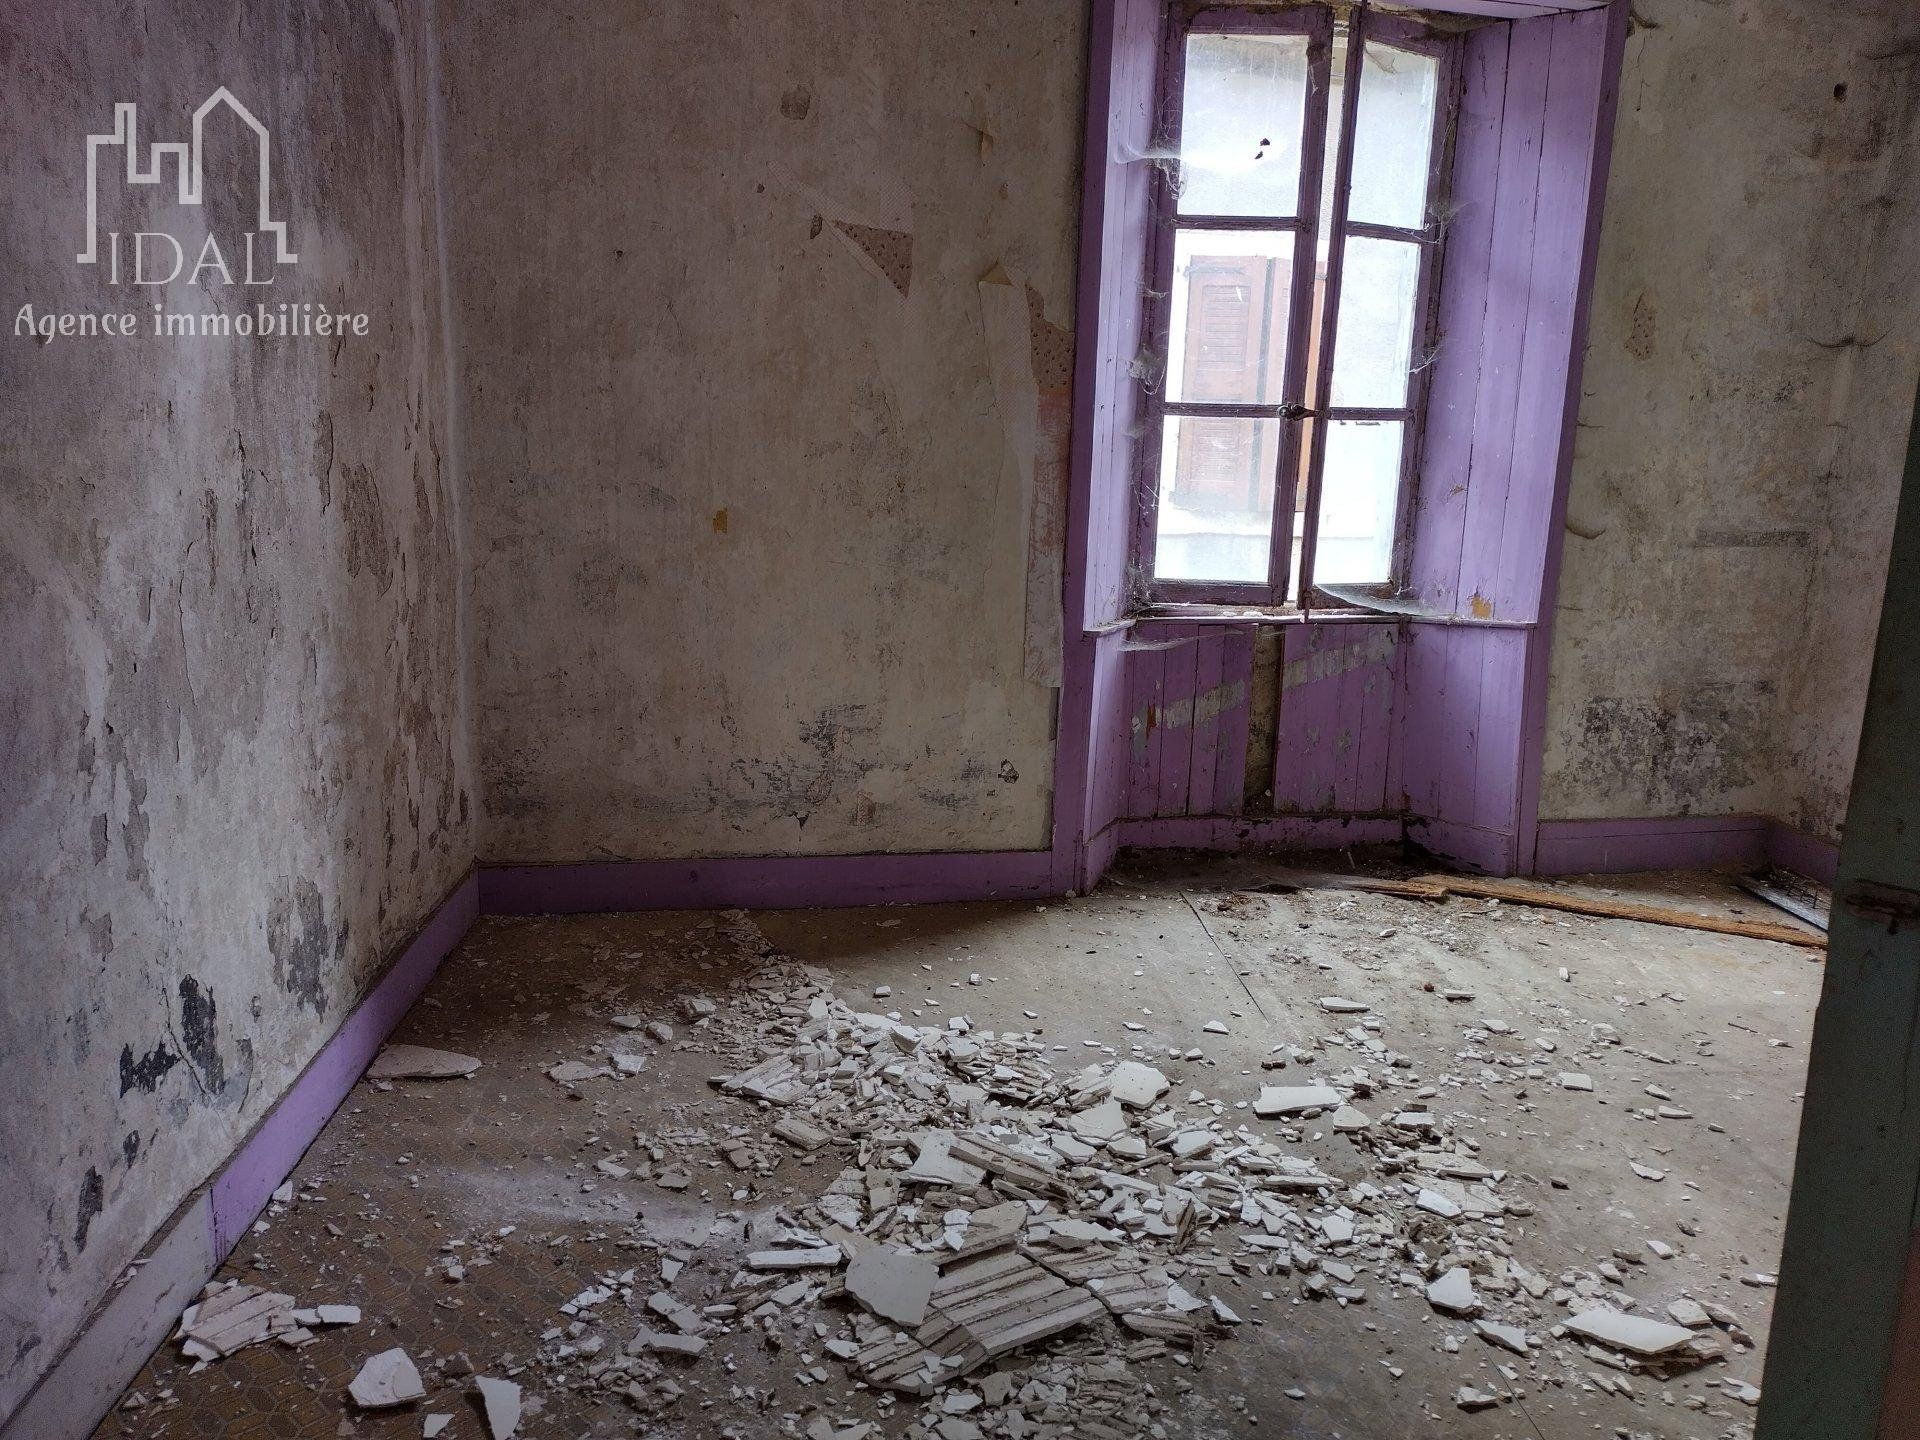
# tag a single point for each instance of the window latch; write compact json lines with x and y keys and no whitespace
{"x":1294,"y":410}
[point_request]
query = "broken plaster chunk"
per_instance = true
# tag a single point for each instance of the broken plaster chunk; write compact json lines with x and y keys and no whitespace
{"x":1215,"y":1027}
{"x":800,"y":1132}
{"x":501,"y":1401}
{"x":1647,"y":1172}
{"x":1190,"y":1144}
{"x":812,"y":1257}
{"x":680,"y":1316}
{"x":1689,"y":1313}
{"x":1574,"y":1080}
{"x":572,"y":1072}
{"x":935,"y":1166}
{"x":1507,"y":1337}
{"x":660,"y":1343}
{"x":1136,"y":1086}
{"x":1278,"y":1100}
{"x":893,"y":1284}
{"x":1340,"y":1005}
{"x":433,"y":1425}
{"x":1073,"y":1234}
{"x":1634,"y":1333}
{"x":231,"y":1317}
{"x":420,"y":1062}
{"x":1453,"y":1292}
{"x":1099,"y":1122}
{"x":1470,"y":1399}
{"x":386,"y":1380}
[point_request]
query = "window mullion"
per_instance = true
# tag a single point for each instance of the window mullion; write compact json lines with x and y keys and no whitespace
{"x":1330,"y":297}
{"x":1300,"y":308}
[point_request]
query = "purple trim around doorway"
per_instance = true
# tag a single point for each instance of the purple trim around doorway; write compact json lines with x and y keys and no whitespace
{"x":134,"y":1319}
{"x":1533,"y":700}
{"x":778,"y":882}
{"x":1073,"y":762}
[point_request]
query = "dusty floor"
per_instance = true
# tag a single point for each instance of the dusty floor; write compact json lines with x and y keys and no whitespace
{"x":505,"y":1162}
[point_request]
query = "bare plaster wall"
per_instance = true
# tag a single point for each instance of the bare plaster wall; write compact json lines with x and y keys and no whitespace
{"x":1752,"y":358}
{"x":765,"y":316}
{"x":233,"y":753}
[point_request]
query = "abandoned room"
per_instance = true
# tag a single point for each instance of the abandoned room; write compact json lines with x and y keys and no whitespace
{"x":960,"y":720}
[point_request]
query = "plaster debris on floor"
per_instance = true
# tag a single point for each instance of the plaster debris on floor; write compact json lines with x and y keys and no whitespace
{"x":995,"y":1233}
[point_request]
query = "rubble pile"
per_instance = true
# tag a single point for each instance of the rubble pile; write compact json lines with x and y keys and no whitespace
{"x":1004,"y":1240}
{"x":991,"y":1211}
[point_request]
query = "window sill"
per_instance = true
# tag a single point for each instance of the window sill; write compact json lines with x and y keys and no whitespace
{"x":1351,"y":607}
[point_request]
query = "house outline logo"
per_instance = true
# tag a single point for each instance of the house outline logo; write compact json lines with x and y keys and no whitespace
{"x":187,"y":162}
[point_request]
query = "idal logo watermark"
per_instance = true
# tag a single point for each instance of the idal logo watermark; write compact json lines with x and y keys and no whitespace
{"x":190,"y":251}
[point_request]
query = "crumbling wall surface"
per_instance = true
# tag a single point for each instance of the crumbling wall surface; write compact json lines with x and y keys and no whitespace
{"x":1876,"y":369}
{"x":233,"y":770}
{"x":765,"y":315}
{"x":1752,"y":353}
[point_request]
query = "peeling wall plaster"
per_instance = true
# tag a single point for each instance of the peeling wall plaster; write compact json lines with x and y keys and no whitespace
{"x":765,"y":321}
{"x":233,"y":755}
{"x":1739,"y":454}
{"x":730,"y":261}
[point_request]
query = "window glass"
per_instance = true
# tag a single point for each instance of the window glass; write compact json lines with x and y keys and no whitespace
{"x":1240,"y":124}
{"x":1227,"y":333}
{"x":1215,"y":518}
{"x":1359,"y":493}
{"x":1393,"y":137}
{"x":1373,"y":339}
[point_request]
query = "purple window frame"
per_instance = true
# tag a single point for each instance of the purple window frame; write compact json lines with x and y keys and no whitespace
{"x":1316,"y":22}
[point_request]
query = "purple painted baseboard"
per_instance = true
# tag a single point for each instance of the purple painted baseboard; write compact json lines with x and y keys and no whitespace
{"x":777,"y":882}
{"x":1678,"y":842}
{"x":127,"y":1327}
{"x":82,"y":1385}
{"x":1470,"y":847}
{"x":1246,"y":832}
{"x":241,"y":1190}
{"x":1791,"y":850}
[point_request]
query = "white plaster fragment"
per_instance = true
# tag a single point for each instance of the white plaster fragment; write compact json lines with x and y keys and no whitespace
{"x":386,"y":1380}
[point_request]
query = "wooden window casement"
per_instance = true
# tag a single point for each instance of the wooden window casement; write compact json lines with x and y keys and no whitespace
{"x":1297,"y":217}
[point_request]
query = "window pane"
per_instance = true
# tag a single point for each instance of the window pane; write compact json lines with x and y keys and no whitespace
{"x":1373,"y":341}
{"x":1227,"y":336}
{"x":1393,"y":136}
{"x":1359,"y":492}
{"x":1216,"y":499}
{"x":1240,"y":124}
